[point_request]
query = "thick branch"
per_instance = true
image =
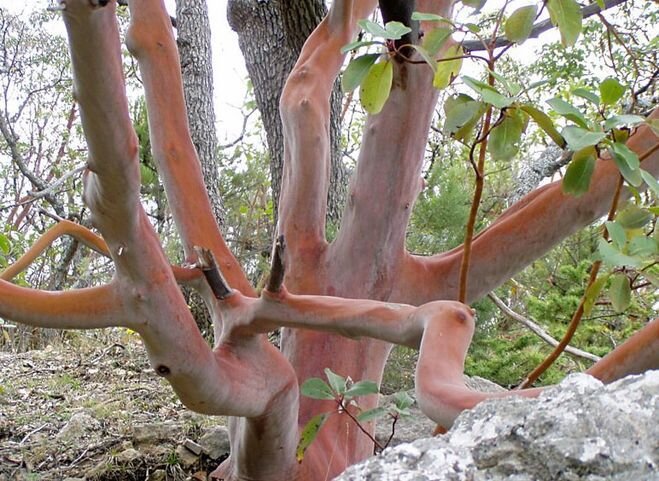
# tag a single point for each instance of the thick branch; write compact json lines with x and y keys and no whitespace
{"x":539,"y":331}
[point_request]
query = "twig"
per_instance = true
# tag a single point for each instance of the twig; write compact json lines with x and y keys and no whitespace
{"x":539,"y":331}
{"x":278,"y":269}
{"x":213,"y":276}
{"x":34,"y":431}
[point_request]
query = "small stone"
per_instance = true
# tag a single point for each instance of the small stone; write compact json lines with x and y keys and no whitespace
{"x":185,"y":457}
{"x":153,"y":432}
{"x":128,"y":456}
{"x":215,"y":443}
{"x":81,"y":423}
{"x":157,"y":475}
{"x":193,"y":447}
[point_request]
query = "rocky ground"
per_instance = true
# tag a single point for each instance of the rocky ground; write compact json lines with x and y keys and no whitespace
{"x":100,"y":413}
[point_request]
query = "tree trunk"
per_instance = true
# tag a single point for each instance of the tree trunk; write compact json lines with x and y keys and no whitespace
{"x":271,"y":35}
{"x":194,"y":46}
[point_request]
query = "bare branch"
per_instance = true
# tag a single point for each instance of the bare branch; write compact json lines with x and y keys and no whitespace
{"x":539,"y":331}
{"x":213,"y":276}
{"x":278,"y":269}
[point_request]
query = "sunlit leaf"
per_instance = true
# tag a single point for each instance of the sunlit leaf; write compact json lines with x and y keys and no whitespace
{"x":592,"y":294}
{"x":512,"y":87}
{"x":633,"y":217}
{"x":357,"y":70}
{"x":362,"y":388}
{"x":447,"y":70}
{"x":435,"y":38}
{"x":371,"y":414}
{"x":487,"y":92}
{"x":566,"y":15}
{"x":579,"y":172}
{"x":358,"y":44}
{"x":426,"y":56}
{"x":652,"y":183}
{"x":520,"y":23}
{"x":336,"y":382}
{"x":503,"y":143}
{"x":613,"y":257}
{"x":545,"y":123}
{"x":627,"y":162}
{"x":626,"y":120}
{"x":396,"y":30}
{"x":402,"y":400}
{"x":373,"y":28}
{"x":568,"y":111}
{"x":620,"y":292}
{"x":5,"y":245}
{"x":578,"y":138}
{"x":316,"y":388}
{"x":587,"y":94}
{"x":376,"y":86}
{"x":617,"y":234}
{"x":430,"y":17}
{"x":309,"y":433}
{"x":461,"y":115}
{"x":611,"y":91}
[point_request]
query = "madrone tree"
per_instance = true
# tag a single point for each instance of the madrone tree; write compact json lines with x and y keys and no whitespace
{"x":342,"y":304}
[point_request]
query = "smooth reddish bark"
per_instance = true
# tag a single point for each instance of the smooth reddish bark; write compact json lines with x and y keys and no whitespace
{"x":343,"y":303}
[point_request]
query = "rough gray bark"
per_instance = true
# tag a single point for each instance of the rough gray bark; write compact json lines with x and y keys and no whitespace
{"x":271,"y":35}
{"x":194,"y":46}
{"x":532,"y":173}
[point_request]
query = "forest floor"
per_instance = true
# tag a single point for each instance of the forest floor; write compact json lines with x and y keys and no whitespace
{"x":100,"y":413}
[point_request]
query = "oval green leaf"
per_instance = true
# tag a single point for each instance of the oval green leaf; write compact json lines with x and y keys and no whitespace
{"x":545,"y":123}
{"x":396,"y":30}
{"x":376,"y":87}
{"x":356,"y":71}
{"x":620,"y":292}
{"x":503,"y":143}
{"x":617,"y":234}
{"x":371,"y":414}
{"x":5,"y":245}
{"x":633,"y":217}
{"x":568,"y":111}
{"x":566,"y":15}
{"x":592,"y":294}
{"x":627,"y":162}
{"x":488,"y":93}
{"x":447,"y":70}
{"x":520,"y":23}
{"x":316,"y":388}
{"x":578,"y":138}
{"x":579,"y":173}
{"x":434,"y":39}
{"x":611,"y":91}
{"x":652,"y":183}
{"x":309,"y":433}
{"x":336,"y":382}
{"x":362,"y":388}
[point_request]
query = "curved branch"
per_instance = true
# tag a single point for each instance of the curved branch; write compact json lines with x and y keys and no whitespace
{"x":64,"y":227}
{"x":90,"y":308}
{"x":539,"y":331}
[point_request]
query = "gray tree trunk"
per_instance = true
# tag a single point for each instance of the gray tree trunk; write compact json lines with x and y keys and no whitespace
{"x":271,"y":34}
{"x":194,"y":45}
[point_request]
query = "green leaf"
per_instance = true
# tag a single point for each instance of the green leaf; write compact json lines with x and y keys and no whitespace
{"x":512,"y":88}
{"x":373,"y":28}
{"x":568,"y":111}
{"x":434,"y":39}
{"x":642,"y":246}
{"x":593,"y":293}
{"x":580,"y":171}
{"x":362,"y":388}
{"x":545,"y":123}
{"x":626,"y":120}
{"x":617,"y":234}
{"x":402,"y":400}
{"x":520,"y":23}
{"x":426,"y":56}
{"x":620,"y":292}
{"x":611,"y":91}
{"x":613,"y":257}
{"x":587,"y":94}
{"x":430,"y":17}
{"x":336,"y":382}
{"x":309,"y":433}
{"x":5,"y":245}
{"x":504,"y":139}
{"x":147,"y":175}
{"x":376,"y":86}
{"x":461,"y":114}
{"x":566,"y":15}
{"x":489,"y":94}
{"x":357,"y":70}
{"x":475,"y":4}
{"x":396,"y":30}
{"x":316,"y":388}
{"x":652,"y":183}
{"x":371,"y":414}
{"x":357,"y":44}
{"x":627,"y":162}
{"x":578,"y":138}
{"x":633,"y":217}
{"x":447,"y":70}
